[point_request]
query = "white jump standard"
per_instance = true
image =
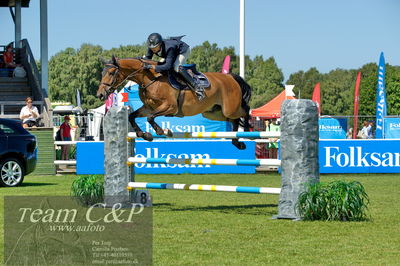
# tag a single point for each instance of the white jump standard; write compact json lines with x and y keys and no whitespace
{"x":211,"y":188}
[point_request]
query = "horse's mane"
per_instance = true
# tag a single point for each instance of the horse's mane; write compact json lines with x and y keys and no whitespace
{"x":141,"y":59}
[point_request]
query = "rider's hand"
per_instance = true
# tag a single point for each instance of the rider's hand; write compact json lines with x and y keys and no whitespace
{"x":147,"y":66}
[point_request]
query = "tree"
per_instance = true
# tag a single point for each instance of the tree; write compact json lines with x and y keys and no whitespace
{"x":265,"y":78}
{"x":305,"y":82}
{"x":81,"y":68}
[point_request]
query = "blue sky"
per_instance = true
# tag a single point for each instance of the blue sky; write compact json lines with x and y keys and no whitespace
{"x":298,"y":34}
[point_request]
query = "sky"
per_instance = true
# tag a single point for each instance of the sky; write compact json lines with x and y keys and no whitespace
{"x":298,"y":34}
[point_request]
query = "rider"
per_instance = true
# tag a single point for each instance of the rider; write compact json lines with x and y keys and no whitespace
{"x":174,"y":52}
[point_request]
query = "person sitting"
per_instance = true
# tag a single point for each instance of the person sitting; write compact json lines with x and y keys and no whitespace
{"x":29,"y":114}
{"x":8,"y":57}
{"x":174,"y":52}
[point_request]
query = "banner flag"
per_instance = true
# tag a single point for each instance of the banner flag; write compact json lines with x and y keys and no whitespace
{"x":356,"y":102}
{"x":225,"y":65}
{"x":316,"y":97}
{"x":381,"y":111}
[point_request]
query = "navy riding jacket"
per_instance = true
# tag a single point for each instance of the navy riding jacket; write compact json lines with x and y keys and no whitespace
{"x":170,"y":49}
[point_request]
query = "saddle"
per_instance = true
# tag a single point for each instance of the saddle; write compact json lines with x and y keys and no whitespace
{"x":179,"y":83}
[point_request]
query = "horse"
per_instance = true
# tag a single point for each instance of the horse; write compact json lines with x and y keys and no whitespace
{"x":227,"y":98}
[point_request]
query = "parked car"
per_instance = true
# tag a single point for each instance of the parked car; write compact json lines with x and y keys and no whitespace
{"x":18,"y":153}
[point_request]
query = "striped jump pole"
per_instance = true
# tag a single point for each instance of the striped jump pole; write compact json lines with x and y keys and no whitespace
{"x":211,"y":188}
{"x":236,"y":162}
{"x":212,"y":135}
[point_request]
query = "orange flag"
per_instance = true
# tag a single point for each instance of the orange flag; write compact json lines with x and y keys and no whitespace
{"x":124,"y":97}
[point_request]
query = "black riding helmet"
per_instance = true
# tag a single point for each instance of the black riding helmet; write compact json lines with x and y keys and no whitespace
{"x":154,"y":40}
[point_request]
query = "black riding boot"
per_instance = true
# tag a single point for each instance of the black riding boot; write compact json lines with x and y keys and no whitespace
{"x":198,"y":90}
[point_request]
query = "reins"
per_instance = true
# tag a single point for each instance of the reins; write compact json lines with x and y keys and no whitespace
{"x":144,"y":86}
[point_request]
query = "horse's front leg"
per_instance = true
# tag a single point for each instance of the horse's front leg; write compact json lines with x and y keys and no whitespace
{"x":141,"y":112}
{"x":162,"y":110}
{"x":157,"y":128}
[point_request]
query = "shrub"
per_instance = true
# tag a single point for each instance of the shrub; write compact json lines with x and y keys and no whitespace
{"x":335,"y":201}
{"x":88,"y":189}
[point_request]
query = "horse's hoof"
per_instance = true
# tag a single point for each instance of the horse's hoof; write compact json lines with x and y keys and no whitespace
{"x":239,"y":145}
{"x":139,"y":134}
{"x":147,"y":136}
{"x":168,"y":132}
{"x":160,"y":131}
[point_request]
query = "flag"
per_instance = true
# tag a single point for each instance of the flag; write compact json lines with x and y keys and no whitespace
{"x":225,"y":65}
{"x":356,"y":101}
{"x":380,"y":98}
{"x":316,"y":97}
{"x":289,"y":90}
{"x":124,"y":97}
{"x":78,"y":98}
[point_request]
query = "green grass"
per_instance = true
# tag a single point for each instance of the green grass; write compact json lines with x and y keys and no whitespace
{"x":206,"y":228}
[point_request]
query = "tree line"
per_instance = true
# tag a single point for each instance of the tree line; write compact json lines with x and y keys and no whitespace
{"x":72,"y":69}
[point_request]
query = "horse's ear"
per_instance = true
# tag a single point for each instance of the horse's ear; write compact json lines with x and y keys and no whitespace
{"x":115,"y":61}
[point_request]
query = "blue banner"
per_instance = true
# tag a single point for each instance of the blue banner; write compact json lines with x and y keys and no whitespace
{"x":381,"y":111}
{"x":392,"y":128}
{"x":332,"y":128}
{"x":359,"y":156}
{"x":195,"y":123}
{"x":90,"y":156}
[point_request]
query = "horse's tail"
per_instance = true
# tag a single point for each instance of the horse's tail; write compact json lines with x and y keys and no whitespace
{"x":246,"y":96}
{"x":246,"y":91}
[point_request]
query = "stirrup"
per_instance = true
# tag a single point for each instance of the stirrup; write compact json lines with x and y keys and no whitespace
{"x":200,"y":93}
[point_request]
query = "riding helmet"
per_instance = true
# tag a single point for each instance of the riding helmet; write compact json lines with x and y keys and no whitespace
{"x":154,"y":40}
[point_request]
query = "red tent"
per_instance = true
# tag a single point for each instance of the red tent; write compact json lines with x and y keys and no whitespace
{"x":272,"y":109}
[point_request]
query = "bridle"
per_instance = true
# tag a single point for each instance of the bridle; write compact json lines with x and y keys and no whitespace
{"x":116,"y":73}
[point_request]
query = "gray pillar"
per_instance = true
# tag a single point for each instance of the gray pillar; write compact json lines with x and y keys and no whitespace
{"x":299,"y":153}
{"x":44,"y":57}
{"x":116,"y":152}
{"x":17,"y":23}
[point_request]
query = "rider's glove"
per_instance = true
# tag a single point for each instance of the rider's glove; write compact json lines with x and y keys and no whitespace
{"x":147,"y":66}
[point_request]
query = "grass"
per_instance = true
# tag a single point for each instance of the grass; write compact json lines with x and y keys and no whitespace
{"x":335,"y":201}
{"x":206,"y":228}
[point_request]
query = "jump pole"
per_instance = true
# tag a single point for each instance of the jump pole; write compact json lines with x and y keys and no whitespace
{"x":211,"y":188}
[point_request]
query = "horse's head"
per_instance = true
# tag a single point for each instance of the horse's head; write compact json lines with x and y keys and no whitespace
{"x":110,"y":79}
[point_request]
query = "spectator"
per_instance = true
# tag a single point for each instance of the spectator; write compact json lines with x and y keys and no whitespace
{"x":29,"y":114}
{"x":273,"y":145}
{"x":349,"y":134}
{"x":364,"y":130}
{"x":65,"y":129}
{"x":370,"y":132}
{"x":8,"y":57}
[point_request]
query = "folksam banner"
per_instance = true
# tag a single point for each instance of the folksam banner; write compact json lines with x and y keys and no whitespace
{"x":359,"y":156}
{"x":392,"y":128}
{"x":90,"y":156}
{"x":332,"y":128}
{"x":380,"y":98}
{"x":195,"y":123}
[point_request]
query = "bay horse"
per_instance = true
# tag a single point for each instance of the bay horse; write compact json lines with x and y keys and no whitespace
{"x":227,"y":98}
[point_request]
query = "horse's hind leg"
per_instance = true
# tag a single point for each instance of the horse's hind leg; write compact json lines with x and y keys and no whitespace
{"x":238,"y":144}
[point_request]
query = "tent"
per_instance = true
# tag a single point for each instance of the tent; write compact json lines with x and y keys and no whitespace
{"x":272,"y":109}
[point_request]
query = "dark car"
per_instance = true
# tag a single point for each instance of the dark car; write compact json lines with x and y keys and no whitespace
{"x":18,"y":152}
